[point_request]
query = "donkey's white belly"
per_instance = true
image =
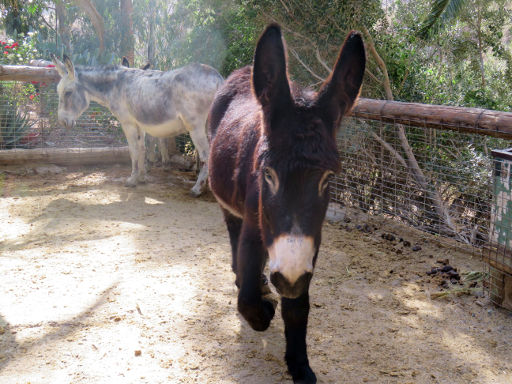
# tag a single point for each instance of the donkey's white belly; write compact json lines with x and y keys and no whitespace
{"x":169,"y":128}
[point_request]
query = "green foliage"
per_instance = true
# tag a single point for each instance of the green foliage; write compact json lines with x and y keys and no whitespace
{"x":452,"y":52}
{"x":315,"y":30}
{"x":442,"y":13}
{"x":20,"y":17}
{"x":14,"y":123}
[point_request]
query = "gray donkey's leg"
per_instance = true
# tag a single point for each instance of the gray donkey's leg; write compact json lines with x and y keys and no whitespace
{"x":130,"y":131}
{"x":141,"y":156}
{"x":164,"y":151}
{"x":135,"y":138}
{"x":198,"y":136}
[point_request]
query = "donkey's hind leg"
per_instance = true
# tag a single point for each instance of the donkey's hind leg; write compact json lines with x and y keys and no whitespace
{"x":164,"y":151}
{"x":197,"y":131}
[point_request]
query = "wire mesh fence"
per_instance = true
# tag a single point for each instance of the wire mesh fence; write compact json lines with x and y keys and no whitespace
{"x":28,"y":119}
{"x":28,"y":113}
{"x":438,"y":181}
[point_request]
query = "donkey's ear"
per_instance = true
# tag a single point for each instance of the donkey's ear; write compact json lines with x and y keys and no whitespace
{"x":339,"y":92}
{"x":59,"y":66}
{"x":69,"y":67}
{"x":269,"y":76}
{"x":125,"y":62}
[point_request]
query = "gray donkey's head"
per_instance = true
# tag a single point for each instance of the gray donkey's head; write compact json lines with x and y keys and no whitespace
{"x":73,"y":99}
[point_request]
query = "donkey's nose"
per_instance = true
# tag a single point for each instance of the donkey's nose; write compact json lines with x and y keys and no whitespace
{"x":291,"y":290}
{"x":67,"y":123}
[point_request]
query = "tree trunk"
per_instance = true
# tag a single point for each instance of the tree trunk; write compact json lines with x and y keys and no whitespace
{"x":151,"y":41}
{"x":97,"y":21}
{"x":413,"y":166}
{"x":127,"y":41}
{"x":63,"y":26}
{"x":480,"y":45}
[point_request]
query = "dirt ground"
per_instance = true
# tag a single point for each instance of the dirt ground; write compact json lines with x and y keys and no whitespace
{"x":104,"y":284}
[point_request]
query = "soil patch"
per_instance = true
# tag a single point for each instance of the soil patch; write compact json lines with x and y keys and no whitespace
{"x":99,"y":283}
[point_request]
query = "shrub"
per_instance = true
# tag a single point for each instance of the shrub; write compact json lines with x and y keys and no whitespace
{"x":14,"y":124}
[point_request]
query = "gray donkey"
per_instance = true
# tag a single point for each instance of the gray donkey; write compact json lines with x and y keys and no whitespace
{"x":160,"y":103}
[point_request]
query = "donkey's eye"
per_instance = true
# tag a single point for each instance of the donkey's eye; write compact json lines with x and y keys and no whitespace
{"x":68,"y":93}
{"x":271,"y":179}
{"x":324,"y":181}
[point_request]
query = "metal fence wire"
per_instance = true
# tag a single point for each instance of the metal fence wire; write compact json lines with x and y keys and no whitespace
{"x":28,"y":119}
{"x":438,"y":180}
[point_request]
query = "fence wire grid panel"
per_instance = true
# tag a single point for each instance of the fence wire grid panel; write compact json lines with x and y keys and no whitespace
{"x":498,"y":251}
{"x":28,"y":119}
{"x":435,"y":180}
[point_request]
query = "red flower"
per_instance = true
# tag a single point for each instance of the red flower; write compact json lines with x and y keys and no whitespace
{"x":43,"y":84}
{"x":15,"y":45}
{"x":6,"y":53}
{"x":31,"y":97}
{"x":34,"y":82}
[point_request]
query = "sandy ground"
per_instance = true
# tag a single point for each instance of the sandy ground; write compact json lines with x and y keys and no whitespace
{"x":104,"y":284}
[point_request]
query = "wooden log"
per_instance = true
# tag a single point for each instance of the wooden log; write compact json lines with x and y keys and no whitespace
{"x":40,"y":63}
{"x":470,"y":120}
{"x":65,"y":156}
{"x":28,"y":73}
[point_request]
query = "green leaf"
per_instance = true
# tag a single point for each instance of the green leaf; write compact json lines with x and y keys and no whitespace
{"x":442,"y":13}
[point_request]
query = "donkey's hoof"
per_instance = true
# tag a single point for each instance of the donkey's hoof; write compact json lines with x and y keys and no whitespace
{"x":304,"y":375}
{"x":258,"y":316}
{"x":146,"y":179}
{"x":195,"y":193}
{"x":130,"y":183}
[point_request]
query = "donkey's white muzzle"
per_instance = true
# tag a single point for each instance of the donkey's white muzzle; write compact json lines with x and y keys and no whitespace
{"x":67,"y":123}
{"x":292,"y":256}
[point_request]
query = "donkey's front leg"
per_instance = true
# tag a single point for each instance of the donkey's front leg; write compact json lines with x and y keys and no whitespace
{"x":130,"y":131}
{"x":141,"y":156}
{"x":258,"y":311}
{"x":295,"y":315}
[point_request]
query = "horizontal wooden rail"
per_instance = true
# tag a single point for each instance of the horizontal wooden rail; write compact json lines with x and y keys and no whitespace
{"x":28,"y":73}
{"x":461,"y":119}
{"x":471,"y":120}
{"x":65,"y":156}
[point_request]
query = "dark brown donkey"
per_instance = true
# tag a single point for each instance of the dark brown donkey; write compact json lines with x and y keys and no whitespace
{"x":272,"y":151}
